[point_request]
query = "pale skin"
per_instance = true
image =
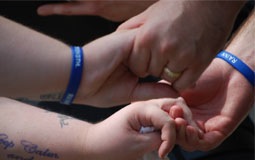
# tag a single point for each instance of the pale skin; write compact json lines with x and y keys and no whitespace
{"x":30,"y":131}
{"x":37,"y":66}
{"x":183,"y":36}
{"x":231,"y":96}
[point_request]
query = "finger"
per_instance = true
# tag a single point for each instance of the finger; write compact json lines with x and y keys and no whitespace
{"x":158,"y":56}
{"x":211,"y":140}
{"x":152,"y":115}
{"x":168,"y":137}
{"x":169,"y":75}
{"x":146,"y":91}
{"x":188,"y":78}
{"x":139,"y":59}
{"x":70,"y":8}
{"x":181,"y":131}
{"x":192,"y":138}
{"x":176,"y":112}
{"x":134,"y":22}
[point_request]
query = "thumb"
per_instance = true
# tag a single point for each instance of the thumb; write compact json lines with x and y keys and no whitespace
{"x":134,"y":22}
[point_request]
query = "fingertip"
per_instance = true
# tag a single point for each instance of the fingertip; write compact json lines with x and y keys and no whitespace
{"x":134,"y":22}
{"x":165,"y":149}
{"x":42,"y":11}
{"x":176,"y":112}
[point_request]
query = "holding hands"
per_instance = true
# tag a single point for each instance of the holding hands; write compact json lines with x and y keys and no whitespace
{"x":175,"y":41}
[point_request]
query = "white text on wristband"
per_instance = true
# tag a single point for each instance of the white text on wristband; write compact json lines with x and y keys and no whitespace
{"x":75,"y":77}
{"x":239,"y":65}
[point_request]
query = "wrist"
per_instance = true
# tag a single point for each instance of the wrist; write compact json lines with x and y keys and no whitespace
{"x":90,"y":144}
{"x":238,"y":64}
{"x":75,"y":76}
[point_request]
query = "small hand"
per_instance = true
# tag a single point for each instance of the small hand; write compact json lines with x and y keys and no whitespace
{"x":121,"y":132}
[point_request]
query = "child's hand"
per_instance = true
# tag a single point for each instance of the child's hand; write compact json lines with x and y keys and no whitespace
{"x":119,"y":137}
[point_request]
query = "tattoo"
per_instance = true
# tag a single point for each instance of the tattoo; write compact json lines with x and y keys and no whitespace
{"x":51,"y":96}
{"x":4,"y":142}
{"x":17,"y":157}
{"x":63,"y":120}
{"x":34,"y":149}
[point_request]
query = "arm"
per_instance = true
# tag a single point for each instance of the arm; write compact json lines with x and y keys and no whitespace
{"x":112,"y":10}
{"x":231,"y":96}
{"x":183,"y":40}
{"x":31,"y":133}
{"x":35,"y":66}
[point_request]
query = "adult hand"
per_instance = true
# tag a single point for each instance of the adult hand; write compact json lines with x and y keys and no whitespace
{"x":107,"y":80}
{"x":121,"y":138}
{"x":110,"y":9}
{"x":177,"y":40}
{"x":219,"y":102}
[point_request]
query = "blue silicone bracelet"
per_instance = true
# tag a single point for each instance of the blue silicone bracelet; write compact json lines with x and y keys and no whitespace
{"x":239,"y":65}
{"x":76,"y":74}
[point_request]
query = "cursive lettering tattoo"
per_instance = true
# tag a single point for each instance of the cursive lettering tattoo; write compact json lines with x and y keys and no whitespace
{"x":34,"y":149}
{"x":4,"y":142}
{"x":63,"y":120}
{"x":17,"y":157}
{"x":51,"y":96}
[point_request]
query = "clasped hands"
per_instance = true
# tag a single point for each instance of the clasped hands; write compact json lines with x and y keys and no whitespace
{"x":165,"y":41}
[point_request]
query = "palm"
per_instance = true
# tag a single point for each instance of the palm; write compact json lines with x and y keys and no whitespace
{"x":219,"y":102}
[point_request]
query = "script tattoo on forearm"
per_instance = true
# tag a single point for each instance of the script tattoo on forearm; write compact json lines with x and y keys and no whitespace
{"x":31,"y":148}
{"x":28,"y":147}
{"x":18,"y":157}
{"x":51,"y":96}
{"x":5,"y":142}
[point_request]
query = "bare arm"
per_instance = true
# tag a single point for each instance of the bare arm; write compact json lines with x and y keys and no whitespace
{"x":40,"y":63}
{"x":231,"y":96}
{"x":27,"y":132}
{"x":32,"y":133}
{"x":35,"y":66}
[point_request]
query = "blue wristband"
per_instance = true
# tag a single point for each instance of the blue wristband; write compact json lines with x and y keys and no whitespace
{"x":239,"y":65}
{"x":76,"y":74}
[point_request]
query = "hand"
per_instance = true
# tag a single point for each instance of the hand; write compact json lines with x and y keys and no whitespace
{"x":107,"y":80}
{"x":219,"y":102}
{"x":118,"y":137}
{"x":177,"y":40}
{"x":112,"y":10}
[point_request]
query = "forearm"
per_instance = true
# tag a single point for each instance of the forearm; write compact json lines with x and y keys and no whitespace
{"x":242,"y":44}
{"x":31,"y":64}
{"x":32,"y":133}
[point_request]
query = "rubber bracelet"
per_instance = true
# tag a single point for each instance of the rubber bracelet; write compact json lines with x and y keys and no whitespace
{"x":76,"y":74}
{"x":239,"y":65}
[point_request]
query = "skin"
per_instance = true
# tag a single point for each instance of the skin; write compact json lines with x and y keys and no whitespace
{"x":184,"y":44}
{"x":214,"y":102}
{"x":106,"y":79}
{"x":82,"y":140}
